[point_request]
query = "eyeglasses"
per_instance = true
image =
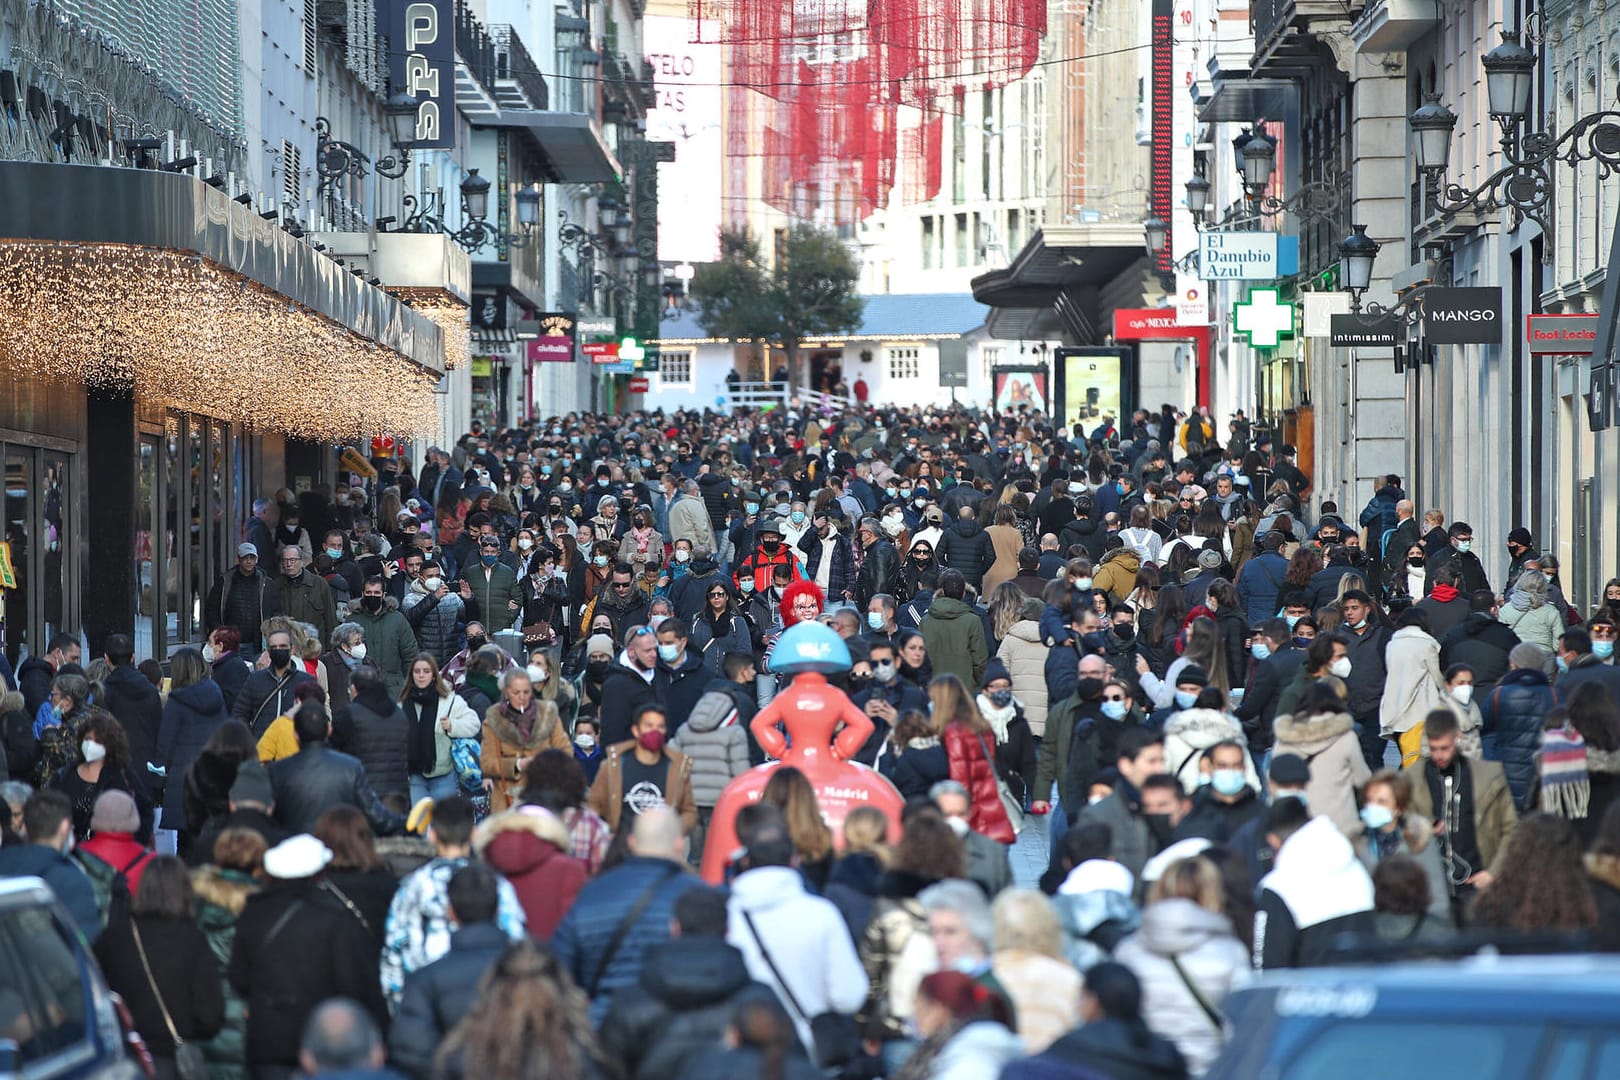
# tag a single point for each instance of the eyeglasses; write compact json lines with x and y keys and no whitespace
{"x":1113,"y":697}
{"x":1605,"y":633}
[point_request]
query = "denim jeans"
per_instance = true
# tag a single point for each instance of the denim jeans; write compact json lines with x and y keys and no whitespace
{"x":434,"y":787}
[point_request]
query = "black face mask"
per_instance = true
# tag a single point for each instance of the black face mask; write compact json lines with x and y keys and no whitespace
{"x":1124,"y":631}
{"x":770,"y":546}
{"x":280,"y":658}
{"x":372,"y":604}
{"x":476,"y":643}
{"x":1159,"y":825}
{"x":1089,"y":688}
{"x":597,"y":667}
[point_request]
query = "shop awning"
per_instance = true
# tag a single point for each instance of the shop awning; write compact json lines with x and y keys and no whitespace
{"x":1039,"y":296}
{"x":156,"y":281}
{"x":571,"y":143}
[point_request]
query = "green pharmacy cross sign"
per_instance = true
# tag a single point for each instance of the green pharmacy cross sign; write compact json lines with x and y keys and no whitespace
{"x":1264,"y":318}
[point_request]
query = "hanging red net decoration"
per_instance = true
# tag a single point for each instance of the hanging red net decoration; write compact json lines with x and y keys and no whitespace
{"x":816,"y":90}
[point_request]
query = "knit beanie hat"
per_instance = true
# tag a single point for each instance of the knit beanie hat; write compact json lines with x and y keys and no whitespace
{"x":994,"y":670}
{"x":115,"y":811}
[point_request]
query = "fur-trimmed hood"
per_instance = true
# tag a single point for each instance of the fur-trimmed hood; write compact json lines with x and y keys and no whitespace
{"x":546,"y":718}
{"x":1604,"y":869}
{"x":1203,"y":728}
{"x":525,"y":819}
{"x":222,"y":888}
{"x":1322,"y":728}
{"x":11,"y":701}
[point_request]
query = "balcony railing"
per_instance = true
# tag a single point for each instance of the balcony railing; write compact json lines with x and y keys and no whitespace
{"x":519,"y":84}
{"x":474,"y":47}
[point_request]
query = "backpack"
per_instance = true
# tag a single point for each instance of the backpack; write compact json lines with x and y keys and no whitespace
{"x":111,"y":886}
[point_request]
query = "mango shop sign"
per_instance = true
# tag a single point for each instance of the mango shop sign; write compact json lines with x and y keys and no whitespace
{"x":422,"y":44}
{"x":1462,"y":316}
{"x":1566,"y":335}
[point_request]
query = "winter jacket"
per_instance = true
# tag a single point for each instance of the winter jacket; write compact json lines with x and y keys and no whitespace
{"x":1021,"y":650}
{"x":1366,"y":682}
{"x":1116,"y":576}
{"x":266,"y":695}
{"x":501,"y":744}
{"x":189,"y":718}
{"x":417,"y":930}
{"x":1176,"y":930}
{"x":748,"y":1063}
{"x":918,"y":767}
{"x":242,"y":601}
{"x":334,"y":958}
{"x":1260,"y":586}
{"x":231,"y":673}
{"x":221,"y":896}
{"x":972,"y":764}
{"x":1071,"y":752}
{"x":582,"y":938}
{"x":307,"y":598}
{"x":1005,"y":543}
{"x":688,"y":994}
{"x":133,"y":699}
{"x":1324,"y":585}
{"x":966,"y":547}
{"x":1316,"y":891}
{"x":688,"y":679}
{"x":316,"y":779}
{"x":1044,"y":992}
{"x":1133,"y":842}
{"x":434,"y":621}
{"x":805,"y":937}
{"x":464,"y":724}
{"x":1216,"y":820}
{"x":977,"y":1049}
{"x":1114,"y":1049}
{"x":761,"y":566}
{"x":623,"y":692}
{"x":1257,"y":712}
{"x":689,"y":519}
{"x":713,"y":642}
{"x":1414,"y":685}
{"x":1494,"y":816}
{"x":1515,"y":713}
{"x":1379,"y":517}
{"x":390,"y":643}
{"x":955,"y":638}
{"x":1087,"y":532}
{"x":840,"y":571}
{"x":1414,"y":838}
{"x":1094,"y":921}
{"x":879,"y":572}
{"x":1469,"y":566}
{"x":178,"y":959}
{"x":1542,"y":625}
{"x":1603,"y":872}
{"x":1192,"y":731}
{"x":1443,"y":616}
{"x":529,"y":847}
{"x":494,"y":589}
{"x":1328,"y":743}
{"x":716,"y":746}
{"x":1234,"y":630}
{"x":70,"y":884}
{"x":437,"y":997}
{"x":1483,"y":644}
{"x":380,"y":738}
{"x":606,"y":796}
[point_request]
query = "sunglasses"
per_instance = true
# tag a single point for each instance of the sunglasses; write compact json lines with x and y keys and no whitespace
{"x":621,"y":584}
{"x":1113,"y":697}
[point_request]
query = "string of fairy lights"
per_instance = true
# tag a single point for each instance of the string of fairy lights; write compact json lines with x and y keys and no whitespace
{"x":182,"y":331}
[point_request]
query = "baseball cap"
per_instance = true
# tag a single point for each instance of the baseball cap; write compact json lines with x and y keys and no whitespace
{"x":244,"y":550}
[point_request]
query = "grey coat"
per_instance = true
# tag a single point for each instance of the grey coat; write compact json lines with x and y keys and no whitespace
{"x":718,"y":754}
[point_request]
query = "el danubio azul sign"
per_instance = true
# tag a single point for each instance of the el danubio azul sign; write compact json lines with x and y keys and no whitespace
{"x":1246,"y":256}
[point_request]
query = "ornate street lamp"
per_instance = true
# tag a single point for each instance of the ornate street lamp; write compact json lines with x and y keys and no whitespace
{"x":1432,"y":124}
{"x":1158,"y":234}
{"x":1357,"y":253}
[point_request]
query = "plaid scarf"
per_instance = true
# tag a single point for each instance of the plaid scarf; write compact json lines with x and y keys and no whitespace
{"x":1565,"y":790}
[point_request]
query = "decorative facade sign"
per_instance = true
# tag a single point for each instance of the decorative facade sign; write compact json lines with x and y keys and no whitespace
{"x":1264,"y":318}
{"x":1568,"y":335}
{"x":422,"y":63}
{"x":1470,"y":316}
{"x":1238,"y":256}
{"x":1366,"y":331}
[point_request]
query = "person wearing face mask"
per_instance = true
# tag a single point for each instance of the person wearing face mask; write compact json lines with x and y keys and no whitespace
{"x":1071,"y":751}
{"x":389,"y":641}
{"x":1414,"y":686}
{"x":101,"y":764}
{"x":1127,"y":810}
{"x":1228,"y":802}
{"x":1482,"y":642}
{"x":1288,"y":775}
{"x":1530,"y":613}
{"x":489,"y":588}
{"x":1514,"y":716}
{"x":1015,"y":751}
{"x":1459,"y":553}
{"x":269,"y":690}
{"x":885,"y":699}
{"x":1320,"y":731}
{"x":593,"y":659}
{"x":433,"y":611}
{"x":770,"y":552}
{"x":643,"y":772}
{"x":1390,"y":829}
{"x":305,"y":596}
{"x":828,"y":560}
{"x":688,"y":678}
{"x":1277,"y":662}
{"x":48,"y":822}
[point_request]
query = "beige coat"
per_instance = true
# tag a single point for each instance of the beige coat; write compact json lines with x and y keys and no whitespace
{"x":1328,"y":742}
{"x":1021,"y":650}
{"x":1008,"y":542}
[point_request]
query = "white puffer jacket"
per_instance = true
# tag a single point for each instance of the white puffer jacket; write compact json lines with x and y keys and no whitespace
{"x":1188,"y":733}
{"x":1021,"y":650}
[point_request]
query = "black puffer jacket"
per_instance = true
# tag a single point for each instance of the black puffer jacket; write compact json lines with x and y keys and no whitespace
{"x":189,"y":718}
{"x":316,"y":779}
{"x":879,"y":572}
{"x":1088,"y":533}
{"x":717,"y":498}
{"x":689,"y":991}
{"x":438,"y":996}
{"x":1514,"y":713}
{"x":966,"y":547}
{"x":380,"y":735}
{"x":1483,"y":644}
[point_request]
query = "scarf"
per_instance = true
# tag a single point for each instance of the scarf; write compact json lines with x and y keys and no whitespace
{"x":1445,"y":594}
{"x":523,"y":721}
{"x":1522,"y":600}
{"x":998,"y":719}
{"x":1565,"y":787}
{"x":422,"y":715}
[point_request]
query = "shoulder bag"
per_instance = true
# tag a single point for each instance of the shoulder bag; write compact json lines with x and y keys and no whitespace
{"x":1210,"y":1011}
{"x":836,"y":1042}
{"x":1014,"y":808}
{"x":189,"y":1062}
{"x":625,"y":924}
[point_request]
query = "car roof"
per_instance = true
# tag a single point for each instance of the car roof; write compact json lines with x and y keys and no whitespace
{"x":25,"y":890}
{"x":1588,"y":972}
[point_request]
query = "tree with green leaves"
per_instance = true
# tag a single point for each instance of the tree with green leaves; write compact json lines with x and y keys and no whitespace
{"x":809,"y":292}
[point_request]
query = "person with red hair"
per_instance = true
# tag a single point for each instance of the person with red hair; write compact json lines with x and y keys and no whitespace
{"x":802,"y":601}
{"x":966,"y":1029}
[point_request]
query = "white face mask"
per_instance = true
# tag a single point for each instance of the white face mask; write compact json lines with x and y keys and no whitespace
{"x":537,"y":673}
{"x":585,"y":741}
{"x":1464,"y":694}
{"x":358,"y":651}
{"x":959,"y":826}
{"x":525,"y":543}
{"x":1340,"y":668}
{"x":431,"y":584}
{"x":210,"y":653}
{"x":92,"y":751}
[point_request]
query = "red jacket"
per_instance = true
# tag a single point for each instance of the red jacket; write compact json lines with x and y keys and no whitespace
{"x":761,"y":566}
{"x":529,"y":846}
{"x":118,"y":850}
{"x":977,"y":773}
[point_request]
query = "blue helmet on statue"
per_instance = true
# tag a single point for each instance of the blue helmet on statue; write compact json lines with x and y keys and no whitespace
{"x":810,"y":646}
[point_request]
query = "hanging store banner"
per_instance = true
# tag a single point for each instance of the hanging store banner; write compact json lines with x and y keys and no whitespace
{"x":555,"y":345}
{"x":488,"y":311}
{"x":1366,"y":331}
{"x":422,"y":63}
{"x":1316,"y":309}
{"x":1566,"y":335}
{"x":1599,"y":398}
{"x":1462,"y":316}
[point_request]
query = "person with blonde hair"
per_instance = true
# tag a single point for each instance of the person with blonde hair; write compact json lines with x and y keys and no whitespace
{"x":1188,"y":959}
{"x":812,"y":839}
{"x":1027,"y":960}
{"x":852,"y":886}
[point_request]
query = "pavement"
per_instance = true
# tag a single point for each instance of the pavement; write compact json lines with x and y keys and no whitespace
{"x":1029,"y":854}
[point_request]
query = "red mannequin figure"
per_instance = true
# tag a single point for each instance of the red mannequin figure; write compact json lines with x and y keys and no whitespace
{"x":811,"y":710}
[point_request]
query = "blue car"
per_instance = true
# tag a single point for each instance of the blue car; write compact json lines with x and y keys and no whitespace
{"x":1483,"y":1018}
{"x":57,"y":1017}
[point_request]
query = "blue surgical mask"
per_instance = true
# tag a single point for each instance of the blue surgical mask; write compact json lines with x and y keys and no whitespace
{"x":336,"y":553}
{"x":1185,"y":699}
{"x":874,"y":619}
{"x":1114,"y":710}
{"x":1292,"y":619}
{"x":1463,"y":546}
{"x":1228,"y":782}
{"x":489,"y":560}
{"x":891,"y":492}
{"x":1376,"y":817}
{"x":668,"y":653}
{"x":1260,"y":651}
{"x":1082,"y":583}
{"x":1303,"y":642}
{"x":797,"y":517}
{"x":1563,"y":665}
{"x":545,"y":470}
{"x":751,"y":508}
{"x":1603,"y":649}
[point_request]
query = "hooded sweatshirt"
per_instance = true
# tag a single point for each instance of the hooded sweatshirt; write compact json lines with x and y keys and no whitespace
{"x":1317,"y":890}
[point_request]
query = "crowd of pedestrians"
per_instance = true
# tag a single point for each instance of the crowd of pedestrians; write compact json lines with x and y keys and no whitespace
{"x":428,"y":799}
